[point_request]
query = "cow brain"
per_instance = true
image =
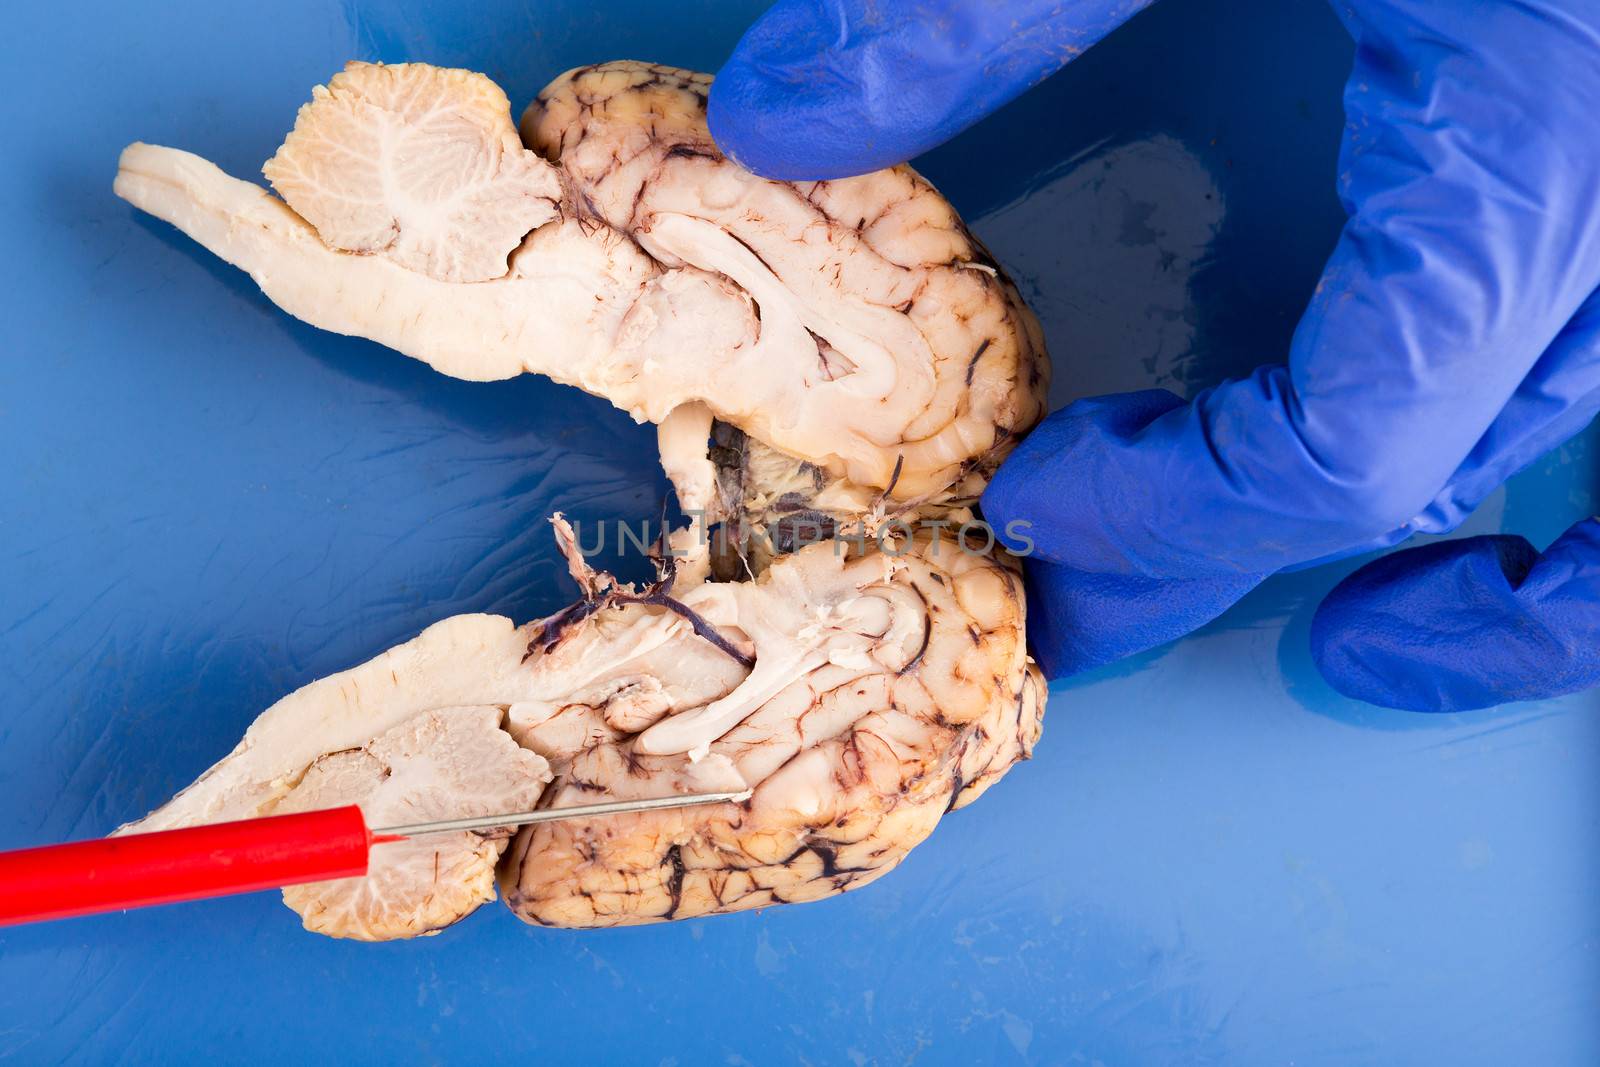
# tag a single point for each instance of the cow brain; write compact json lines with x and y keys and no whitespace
{"x":837,"y":360}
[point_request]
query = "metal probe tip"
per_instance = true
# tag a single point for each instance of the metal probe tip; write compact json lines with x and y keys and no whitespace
{"x":523,"y":818}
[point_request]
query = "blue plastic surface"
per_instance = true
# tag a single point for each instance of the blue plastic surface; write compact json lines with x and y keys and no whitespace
{"x":203,"y":504}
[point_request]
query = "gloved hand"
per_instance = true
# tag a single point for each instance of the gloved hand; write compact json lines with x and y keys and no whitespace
{"x":1454,"y":338}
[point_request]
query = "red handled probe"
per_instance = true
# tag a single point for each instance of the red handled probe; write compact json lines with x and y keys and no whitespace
{"x":167,"y":866}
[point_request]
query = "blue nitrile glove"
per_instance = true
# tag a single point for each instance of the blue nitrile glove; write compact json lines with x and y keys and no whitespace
{"x":1465,"y":624}
{"x":1455,"y":335}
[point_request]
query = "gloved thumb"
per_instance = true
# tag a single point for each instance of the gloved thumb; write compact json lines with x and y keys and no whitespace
{"x":831,"y":88}
{"x":1466,"y":624}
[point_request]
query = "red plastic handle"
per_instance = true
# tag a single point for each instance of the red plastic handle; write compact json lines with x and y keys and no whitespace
{"x":115,"y":873}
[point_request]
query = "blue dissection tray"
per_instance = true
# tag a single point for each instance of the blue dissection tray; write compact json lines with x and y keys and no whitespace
{"x":1213,"y":858}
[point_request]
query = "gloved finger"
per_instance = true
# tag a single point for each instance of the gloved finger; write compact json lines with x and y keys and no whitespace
{"x":830,"y":88}
{"x":1036,"y":500}
{"x":1078,"y":621}
{"x":1466,"y":624}
{"x":1559,"y":397}
{"x":1473,"y":242}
